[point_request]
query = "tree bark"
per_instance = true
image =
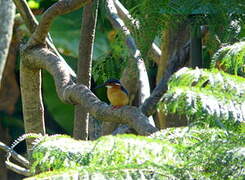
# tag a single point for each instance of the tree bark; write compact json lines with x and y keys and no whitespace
{"x":32,"y":104}
{"x":7,"y":13}
{"x":84,"y":66}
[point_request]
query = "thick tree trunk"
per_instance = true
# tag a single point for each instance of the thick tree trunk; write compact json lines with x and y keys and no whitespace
{"x":84,"y":66}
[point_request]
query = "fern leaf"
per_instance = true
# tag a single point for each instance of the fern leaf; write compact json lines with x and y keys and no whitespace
{"x":207,"y":96}
{"x":231,"y":59}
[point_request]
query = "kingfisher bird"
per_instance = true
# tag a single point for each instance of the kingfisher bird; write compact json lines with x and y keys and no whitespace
{"x":116,"y":93}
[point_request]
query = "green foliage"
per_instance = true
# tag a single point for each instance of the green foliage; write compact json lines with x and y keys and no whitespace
{"x":33,"y":4}
{"x":40,"y":4}
{"x":207,"y":153}
{"x":231,"y":59}
{"x":224,"y":18}
{"x":180,"y":153}
{"x":67,"y":36}
{"x":206,"y":96}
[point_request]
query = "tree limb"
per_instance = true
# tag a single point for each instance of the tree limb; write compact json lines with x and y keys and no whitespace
{"x":32,"y":104}
{"x":84,"y":65}
{"x":26,"y":14}
{"x":123,"y":13}
{"x":7,"y":13}
{"x":176,"y":61}
{"x":117,"y":23}
{"x":59,"y":8}
{"x":18,"y":169}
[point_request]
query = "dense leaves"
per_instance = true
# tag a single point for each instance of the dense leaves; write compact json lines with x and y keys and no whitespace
{"x":206,"y":96}
{"x":181,"y":153}
{"x":231,"y":59}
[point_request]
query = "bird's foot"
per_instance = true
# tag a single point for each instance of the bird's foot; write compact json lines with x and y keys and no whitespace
{"x":116,"y":107}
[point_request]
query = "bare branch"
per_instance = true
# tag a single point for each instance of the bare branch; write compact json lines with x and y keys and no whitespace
{"x":15,"y":155}
{"x":84,"y":65}
{"x":59,"y":8}
{"x":80,"y":94}
{"x":176,"y":61}
{"x":7,"y":12}
{"x":123,"y":13}
{"x":117,"y":22}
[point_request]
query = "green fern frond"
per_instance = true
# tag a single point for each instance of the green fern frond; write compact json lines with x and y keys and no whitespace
{"x":176,"y":153}
{"x":212,"y":97}
{"x":231,"y":59}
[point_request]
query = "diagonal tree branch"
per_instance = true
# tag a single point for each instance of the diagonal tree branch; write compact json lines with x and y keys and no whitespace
{"x":176,"y":61}
{"x":123,"y":13}
{"x":84,"y":65}
{"x":117,"y":23}
{"x":179,"y":59}
{"x":18,"y":169}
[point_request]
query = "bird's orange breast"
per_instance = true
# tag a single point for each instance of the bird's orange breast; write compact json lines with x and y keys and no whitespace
{"x":117,"y":97}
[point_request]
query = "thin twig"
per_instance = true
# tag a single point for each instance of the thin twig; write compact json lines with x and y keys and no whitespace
{"x":26,"y":14}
